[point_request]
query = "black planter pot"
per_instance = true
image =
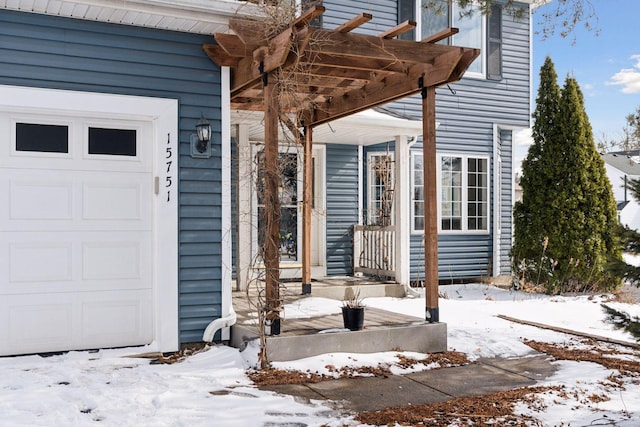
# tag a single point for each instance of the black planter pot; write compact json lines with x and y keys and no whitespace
{"x":353,"y":318}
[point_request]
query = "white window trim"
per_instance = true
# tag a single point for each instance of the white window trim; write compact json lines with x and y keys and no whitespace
{"x":483,"y":34}
{"x":412,"y":189}
{"x":464,"y":195}
{"x":370,"y":179}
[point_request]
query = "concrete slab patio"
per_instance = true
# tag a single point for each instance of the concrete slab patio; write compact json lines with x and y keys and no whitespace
{"x":301,"y":338}
{"x":377,"y":393}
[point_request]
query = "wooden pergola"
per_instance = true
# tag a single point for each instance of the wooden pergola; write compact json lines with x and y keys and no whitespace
{"x":303,"y":77}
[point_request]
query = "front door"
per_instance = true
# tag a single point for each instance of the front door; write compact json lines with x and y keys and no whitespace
{"x":290,"y":161}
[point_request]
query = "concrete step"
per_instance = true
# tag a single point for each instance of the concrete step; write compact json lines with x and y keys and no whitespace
{"x":341,"y":290}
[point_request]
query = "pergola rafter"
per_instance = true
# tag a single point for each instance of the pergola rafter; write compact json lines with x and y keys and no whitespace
{"x":317,"y":76}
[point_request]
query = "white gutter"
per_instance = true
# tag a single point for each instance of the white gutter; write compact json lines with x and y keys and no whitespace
{"x":497,"y":194}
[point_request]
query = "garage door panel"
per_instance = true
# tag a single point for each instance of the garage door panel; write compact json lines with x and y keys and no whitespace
{"x":113,"y":201}
{"x":33,"y":262}
{"x":40,"y":262}
{"x":124,"y":319}
{"x":33,"y":325}
{"x":54,"y":199}
{"x":112,"y":260}
{"x":51,"y":200}
{"x":56,"y":322}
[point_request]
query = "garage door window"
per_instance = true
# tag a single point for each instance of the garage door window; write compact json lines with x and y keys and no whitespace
{"x":42,"y":138}
{"x":114,"y":142}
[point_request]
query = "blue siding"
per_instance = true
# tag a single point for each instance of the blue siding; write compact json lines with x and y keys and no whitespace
{"x":61,"y":53}
{"x":467,"y":114}
{"x":342,"y":207}
{"x":339,"y":11}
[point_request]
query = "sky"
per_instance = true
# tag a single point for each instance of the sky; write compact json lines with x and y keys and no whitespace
{"x":605,"y":62}
{"x":106,"y":389}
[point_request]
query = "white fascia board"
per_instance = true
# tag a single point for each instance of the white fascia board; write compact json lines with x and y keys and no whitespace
{"x":195,"y":16}
{"x":200,"y":9}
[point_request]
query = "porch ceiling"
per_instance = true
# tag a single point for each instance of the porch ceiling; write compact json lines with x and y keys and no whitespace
{"x":325,"y":75}
{"x":364,"y":128}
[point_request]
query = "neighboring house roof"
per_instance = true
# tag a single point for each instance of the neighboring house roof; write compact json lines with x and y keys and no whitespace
{"x":622,"y":205}
{"x":364,"y":128}
{"x":625,"y":161}
{"x":193,"y":16}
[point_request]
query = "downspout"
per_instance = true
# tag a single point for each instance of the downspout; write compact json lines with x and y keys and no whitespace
{"x":497,"y":187}
{"x":228,"y":314}
{"x":216,"y":325}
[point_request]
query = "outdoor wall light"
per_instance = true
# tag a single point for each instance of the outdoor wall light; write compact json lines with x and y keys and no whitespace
{"x":200,"y":141}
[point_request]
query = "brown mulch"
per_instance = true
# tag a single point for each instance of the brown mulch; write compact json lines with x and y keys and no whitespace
{"x":594,"y":353}
{"x":497,"y":408}
{"x":487,"y":409}
{"x":185,"y":351}
{"x":272,"y":376}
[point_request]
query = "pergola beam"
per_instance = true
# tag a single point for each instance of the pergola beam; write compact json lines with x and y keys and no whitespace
{"x":360,"y":46}
{"x":398,"y":29}
{"x":309,"y":15}
{"x":440,"y":35}
{"x":354,"y":23}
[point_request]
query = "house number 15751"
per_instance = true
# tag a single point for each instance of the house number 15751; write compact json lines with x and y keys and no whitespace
{"x":169,"y":161}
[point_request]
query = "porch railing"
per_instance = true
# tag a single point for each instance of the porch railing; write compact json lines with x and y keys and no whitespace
{"x":374,"y":250}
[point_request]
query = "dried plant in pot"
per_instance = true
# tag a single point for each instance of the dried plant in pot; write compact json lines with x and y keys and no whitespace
{"x":353,"y":311}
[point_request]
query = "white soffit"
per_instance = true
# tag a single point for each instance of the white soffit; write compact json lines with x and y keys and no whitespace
{"x":364,"y":128}
{"x":193,"y":16}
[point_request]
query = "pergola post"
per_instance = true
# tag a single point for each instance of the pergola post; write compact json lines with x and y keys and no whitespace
{"x":432,"y":313}
{"x":307,"y":195}
{"x":271,"y":240}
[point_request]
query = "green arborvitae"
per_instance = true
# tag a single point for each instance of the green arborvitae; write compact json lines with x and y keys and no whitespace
{"x":564,"y":227}
{"x":530,"y":232}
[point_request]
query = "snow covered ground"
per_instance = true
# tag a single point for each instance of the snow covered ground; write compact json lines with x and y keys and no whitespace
{"x":211,"y":389}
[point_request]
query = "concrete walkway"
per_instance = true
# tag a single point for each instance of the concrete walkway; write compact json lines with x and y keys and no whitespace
{"x":376,"y":393}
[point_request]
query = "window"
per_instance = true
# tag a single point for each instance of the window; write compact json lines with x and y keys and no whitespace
{"x":380,"y":183}
{"x":417,"y":192}
{"x":288,"y":196}
{"x":476,"y":30}
{"x":439,"y":15}
{"x":42,"y":138}
{"x":114,"y":142}
{"x":463,"y":193}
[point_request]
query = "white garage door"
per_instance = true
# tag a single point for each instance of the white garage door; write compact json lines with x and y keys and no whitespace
{"x":76,"y":230}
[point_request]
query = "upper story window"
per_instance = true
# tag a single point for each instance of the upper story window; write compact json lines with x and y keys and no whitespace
{"x":476,"y":30}
{"x":438,"y":15}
